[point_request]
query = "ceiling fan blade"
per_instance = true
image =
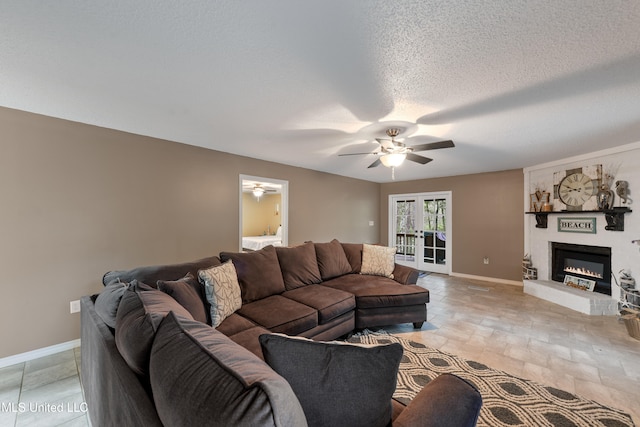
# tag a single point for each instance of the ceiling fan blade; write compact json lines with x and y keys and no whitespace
{"x":374,"y":164}
{"x":433,"y":145}
{"x":356,"y":154}
{"x":418,"y":159}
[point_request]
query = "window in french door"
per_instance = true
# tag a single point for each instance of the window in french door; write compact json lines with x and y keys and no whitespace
{"x":435,"y":231}
{"x":405,"y":231}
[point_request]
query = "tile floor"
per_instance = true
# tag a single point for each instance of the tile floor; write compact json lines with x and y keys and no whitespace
{"x":495,"y":324}
{"x":500,"y":326}
{"x":43,"y":392}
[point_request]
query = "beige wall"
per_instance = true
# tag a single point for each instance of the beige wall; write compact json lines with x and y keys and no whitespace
{"x":259,"y":215}
{"x":487,"y":220}
{"x":79,"y":200}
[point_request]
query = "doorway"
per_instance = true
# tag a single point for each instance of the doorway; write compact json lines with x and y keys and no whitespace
{"x":264,"y":212}
{"x":421,"y":229}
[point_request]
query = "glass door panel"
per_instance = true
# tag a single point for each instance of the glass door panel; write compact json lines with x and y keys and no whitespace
{"x":404,"y":230}
{"x":434,"y":213}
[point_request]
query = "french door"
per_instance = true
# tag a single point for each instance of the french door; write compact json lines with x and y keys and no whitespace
{"x":420,"y":228}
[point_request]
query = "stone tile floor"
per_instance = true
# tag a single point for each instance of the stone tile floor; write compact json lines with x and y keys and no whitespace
{"x":500,"y":326}
{"x":43,"y":392}
{"x":495,"y":324}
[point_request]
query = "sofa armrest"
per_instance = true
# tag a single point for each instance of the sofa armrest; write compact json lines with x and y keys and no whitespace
{"x":114,"y":394}
{"x":405,"y":275}
{"x":447,"y":401}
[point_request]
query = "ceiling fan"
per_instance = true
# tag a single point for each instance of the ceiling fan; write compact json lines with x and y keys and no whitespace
{"x":393,"y":153}
{"x":258,"y":189}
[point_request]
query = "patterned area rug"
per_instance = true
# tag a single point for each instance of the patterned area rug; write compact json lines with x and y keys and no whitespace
{"x":507,"y":400}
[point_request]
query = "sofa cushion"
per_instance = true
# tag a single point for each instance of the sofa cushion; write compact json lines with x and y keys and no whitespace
{"x":234,"y":324}
{"x":152,"y":274}
{"x":378,"y":260}
{"x":337,"y":383}
{"x":249,"y":339}
{"x":200,"y":377}
{"x":298,"y":265}
{"x":189,"y":293}
{"x":353,"y":251}
{"x":258,"y":273}
{"x":329,"y":302}
{"x":141,"y":310}
{"x":280,"y":314}
{"x":378,"y":291}
{"x":222,"y":290}
{"x":332,"y":261}
{"x":108,"y":301}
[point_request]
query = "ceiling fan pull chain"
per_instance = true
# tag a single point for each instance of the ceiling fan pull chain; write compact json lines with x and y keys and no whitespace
{"x":393,"y":173}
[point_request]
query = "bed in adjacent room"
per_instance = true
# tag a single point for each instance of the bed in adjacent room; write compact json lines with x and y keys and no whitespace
{"x":253,"y":243}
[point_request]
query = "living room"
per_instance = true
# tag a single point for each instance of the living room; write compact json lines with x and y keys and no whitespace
{"x":83,"y":197}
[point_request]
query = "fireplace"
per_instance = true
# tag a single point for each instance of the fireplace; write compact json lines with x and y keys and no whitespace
{"x":587,"y":262}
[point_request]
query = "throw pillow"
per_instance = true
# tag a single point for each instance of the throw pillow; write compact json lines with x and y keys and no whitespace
{"x":222,"y":291}
{"x":108,"y":301}
{"x":353,"y":251}
{"x":189,"y":293}
{"x":258,"y":273}
{"x":141,"y":310}
{"x":199,"y":377}
{"x":378,"y":260}
{"x":332,"y":261}
{"x":337,"y":384}
{"x":298,"y":265}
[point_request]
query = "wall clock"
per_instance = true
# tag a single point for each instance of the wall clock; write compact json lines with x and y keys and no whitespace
{"x":577,"y":187}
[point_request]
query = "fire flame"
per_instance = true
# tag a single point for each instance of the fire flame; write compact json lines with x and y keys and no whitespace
{"x":583,"y":271}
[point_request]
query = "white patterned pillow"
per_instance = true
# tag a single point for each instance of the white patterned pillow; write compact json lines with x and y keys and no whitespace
{"x":222,"y":290}
{"x":378,"y":260}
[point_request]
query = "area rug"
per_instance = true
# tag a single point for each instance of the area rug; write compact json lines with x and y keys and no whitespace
{"x":507,"y":400}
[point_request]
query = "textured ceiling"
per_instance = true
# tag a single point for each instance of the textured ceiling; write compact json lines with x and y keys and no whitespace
{"x":512,"y":83}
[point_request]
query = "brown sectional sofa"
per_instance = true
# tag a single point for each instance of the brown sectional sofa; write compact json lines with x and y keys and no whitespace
{"x":313,"y":290}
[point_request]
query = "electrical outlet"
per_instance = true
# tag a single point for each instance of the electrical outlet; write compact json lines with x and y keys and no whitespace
{"x":74,"y":306}
{"x":486,"y":260}
{"x":371,"y":223}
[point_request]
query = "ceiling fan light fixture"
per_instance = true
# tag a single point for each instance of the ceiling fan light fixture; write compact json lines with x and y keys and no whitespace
{"x":393,"y":160}
{"x":258,"y":191}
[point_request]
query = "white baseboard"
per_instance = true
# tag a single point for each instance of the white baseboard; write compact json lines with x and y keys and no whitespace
{"x":41,"y":352}
{"x":489,"y":279}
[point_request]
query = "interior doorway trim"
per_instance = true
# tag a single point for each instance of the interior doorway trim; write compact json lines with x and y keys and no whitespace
{"x":284,"y":202}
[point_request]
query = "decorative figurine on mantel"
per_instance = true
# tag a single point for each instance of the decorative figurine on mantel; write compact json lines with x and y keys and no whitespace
{"x":605,"y":197}
{"x":540,"y":199}
{"x":622,"y":189}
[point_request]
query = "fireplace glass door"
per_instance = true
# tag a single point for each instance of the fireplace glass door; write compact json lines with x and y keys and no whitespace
{"x":582,"y":261}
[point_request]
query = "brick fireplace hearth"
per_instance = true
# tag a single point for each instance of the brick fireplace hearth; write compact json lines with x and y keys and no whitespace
{"x":592,"y":303}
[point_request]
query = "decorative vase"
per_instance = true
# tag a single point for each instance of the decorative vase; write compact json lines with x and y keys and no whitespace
{"x":605,"y":198}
